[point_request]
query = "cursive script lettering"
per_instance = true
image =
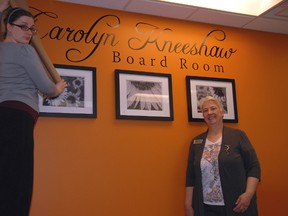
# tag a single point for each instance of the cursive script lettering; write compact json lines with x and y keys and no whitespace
{"x":90,"y":36}
{"x":151,"y":35}
{"x":148,"y":36}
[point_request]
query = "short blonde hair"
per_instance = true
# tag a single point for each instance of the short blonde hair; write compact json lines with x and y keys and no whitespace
{"x":210,"y":98}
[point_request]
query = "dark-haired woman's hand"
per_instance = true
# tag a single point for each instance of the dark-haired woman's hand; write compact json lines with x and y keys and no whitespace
{"x":61,"y":85}
{"x":4,"y":4}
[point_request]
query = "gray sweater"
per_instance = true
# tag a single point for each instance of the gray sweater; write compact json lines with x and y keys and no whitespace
{"x":22,"y":75}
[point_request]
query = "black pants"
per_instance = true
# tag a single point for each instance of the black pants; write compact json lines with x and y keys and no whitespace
{"x":16,"y":162}
{"x":212,"y":210}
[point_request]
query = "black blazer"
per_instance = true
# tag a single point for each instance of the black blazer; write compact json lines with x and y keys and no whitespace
{"x":237,"y":161}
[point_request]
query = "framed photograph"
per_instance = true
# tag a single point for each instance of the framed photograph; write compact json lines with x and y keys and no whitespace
{"x":143,"y":95}
{"x":78,"y":99}
{"x":200,"y":87}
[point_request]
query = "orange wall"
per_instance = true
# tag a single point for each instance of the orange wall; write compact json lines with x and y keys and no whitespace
{"x":107,"y":167}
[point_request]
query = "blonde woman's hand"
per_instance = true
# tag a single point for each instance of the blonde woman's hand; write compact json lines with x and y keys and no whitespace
{"x":189,"y":211}
{"x":243,"y":202}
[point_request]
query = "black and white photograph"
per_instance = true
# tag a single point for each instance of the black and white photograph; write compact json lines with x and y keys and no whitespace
{"x":143,"y":95}
{"x":73,"y":95}
{"x":78,"y":99}
{"x":217,"y":92}
{"x":223,"y":89}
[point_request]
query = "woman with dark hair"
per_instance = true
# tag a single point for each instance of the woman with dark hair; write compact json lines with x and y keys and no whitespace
{"x":22,"y":76}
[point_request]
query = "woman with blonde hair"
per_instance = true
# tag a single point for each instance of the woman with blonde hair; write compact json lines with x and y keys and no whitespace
{"x":223,"y":170}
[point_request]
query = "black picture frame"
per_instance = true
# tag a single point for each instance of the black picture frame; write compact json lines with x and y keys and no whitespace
{"x":79,"y":98}
{"x":143,"y":95}
{"x":224,"y":89}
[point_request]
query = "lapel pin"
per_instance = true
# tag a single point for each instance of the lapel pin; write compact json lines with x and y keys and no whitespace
{"x":198,"y":141}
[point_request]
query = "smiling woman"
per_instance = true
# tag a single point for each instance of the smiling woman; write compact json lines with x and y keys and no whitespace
{"x":223,"y":170}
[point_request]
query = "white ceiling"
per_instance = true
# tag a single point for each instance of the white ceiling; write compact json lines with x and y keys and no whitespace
{"x":275,"y":20}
